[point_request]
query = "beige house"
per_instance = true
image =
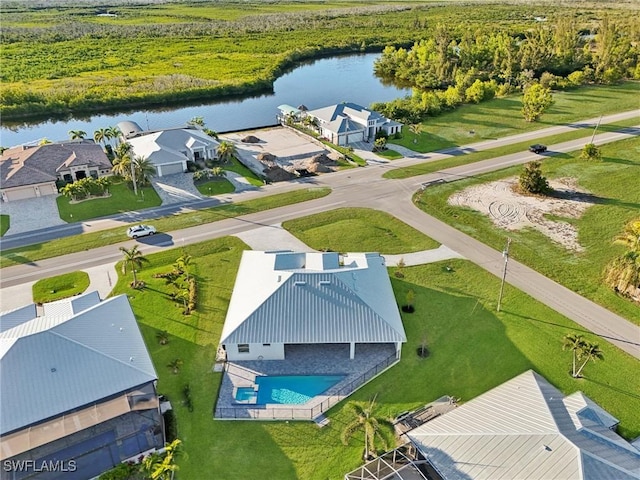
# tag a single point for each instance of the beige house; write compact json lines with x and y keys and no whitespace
{"x":29,"y":172}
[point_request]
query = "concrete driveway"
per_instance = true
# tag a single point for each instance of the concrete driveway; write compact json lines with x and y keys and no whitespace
{"x":32,"y":214}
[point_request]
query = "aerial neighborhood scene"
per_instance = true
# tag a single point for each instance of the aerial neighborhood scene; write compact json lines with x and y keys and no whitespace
{"x":320,"y":240}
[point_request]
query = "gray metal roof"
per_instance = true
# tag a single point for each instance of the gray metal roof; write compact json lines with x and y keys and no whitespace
{"x":51,"y":365}
{"x":526,"y":429}
{"x":32,"y":165}
{"x":312,"y":302}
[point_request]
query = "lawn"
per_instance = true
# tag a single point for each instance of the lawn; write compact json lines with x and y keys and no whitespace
{"x":464,"y":158}
{"x":501,"y":117}
{"x":247,"y":173}
{"x":5,"y":223}
{"x":358,"y":230}
{"x":389,"y":154}
{"x":472,"y":350}
{"x":614,"y":181}
{"x":122,"y":200}
{"x":215,"y":186}
{"x":61,"y":286}
{"x":78,"y":243}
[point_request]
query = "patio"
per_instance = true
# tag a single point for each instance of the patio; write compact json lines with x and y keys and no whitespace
{"x":321,"y":359}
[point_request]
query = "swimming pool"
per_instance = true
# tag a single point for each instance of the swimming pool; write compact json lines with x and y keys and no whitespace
{"x":293,"y":389}
{"x":245,"y":395}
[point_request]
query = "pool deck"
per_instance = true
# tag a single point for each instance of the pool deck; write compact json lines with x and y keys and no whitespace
{"x":325,"y":359}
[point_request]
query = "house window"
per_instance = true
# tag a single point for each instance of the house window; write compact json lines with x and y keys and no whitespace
{"x":243,"y":348}
{"x":266,"y":344}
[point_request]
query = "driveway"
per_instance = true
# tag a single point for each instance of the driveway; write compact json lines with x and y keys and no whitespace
{"x":176,"y":188}
{"x":32,"y":214}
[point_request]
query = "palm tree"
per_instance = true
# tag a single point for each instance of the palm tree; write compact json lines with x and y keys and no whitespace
{"x":630,"y":238}
{"x":103,"y":183}
{"x":175,"y":365}
{"x":143,"y":168}
{"x":226,"y":151}
{"x":364,"y":421}
{"x":122,"y":167}
{"x":77,"y":134}
{"x":133,"y":258}
{"x":416,"y":129}
{"x":183,"y":294}
{"x":589,"y":352}
{"x":197,"y":121}
{"x":161,"y":467}
{"x":113,"y":133}
{"x":44,"y":141}
{"x":623,"y":273}
{"x":183,"y":263}
{"x":218,"y":172}
{"x":575,"y":343}
{"x":123,"y":149}
{"x":101,"y":136}
{"x":162,"y":337}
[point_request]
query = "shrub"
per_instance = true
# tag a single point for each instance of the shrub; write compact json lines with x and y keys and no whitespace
{"x":532,"y":181}
{"x":170,"y":425}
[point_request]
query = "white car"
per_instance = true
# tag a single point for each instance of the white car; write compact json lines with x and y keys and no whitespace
{"x":140,"y":231}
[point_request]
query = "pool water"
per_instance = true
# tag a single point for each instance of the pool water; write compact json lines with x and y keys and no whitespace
{"x":244,"y":394}
{"x":293,"y":389}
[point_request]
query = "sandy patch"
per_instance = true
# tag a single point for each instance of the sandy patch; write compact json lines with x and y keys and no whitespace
{"x":513,"y":211}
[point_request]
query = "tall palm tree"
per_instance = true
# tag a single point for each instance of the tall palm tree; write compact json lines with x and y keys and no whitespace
{"x":575,"y":343}
{"x":143,"y":169}
{"x":77,"y":134}
{"x":100,"y":136}
{"x":366,"y":422}
{"x":416,"y":129}
{"x":589,"y":352}
{"x":226,"y":151}
{"x":114,"y":133}
{"x":183,"y":263}
{"x":134,"y":259}
{"x":122,"y":167}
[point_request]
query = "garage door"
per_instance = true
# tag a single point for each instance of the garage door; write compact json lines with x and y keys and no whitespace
{"x":170,"y":169}
{"x":20,"y":193}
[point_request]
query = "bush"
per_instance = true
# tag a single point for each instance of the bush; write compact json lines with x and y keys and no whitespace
{"x":170,"y":426}
{"x":532,"y":181}
{"x":191,"y":166}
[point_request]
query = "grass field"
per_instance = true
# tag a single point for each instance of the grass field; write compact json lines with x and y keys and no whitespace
{"x":501,"y":117}
{"x":466,"y":158}
{"x":472,"y":350}
{"x":78,"y":243}
{"x":215,"y":186}
{"x":614,"y":182}
{"x":239,"y":168}
{"x":389,"y":154}
{"x":61,"y":286}
{"x":358,"y":230}
{"x":5,"y":223}
{"x":122,"y":200}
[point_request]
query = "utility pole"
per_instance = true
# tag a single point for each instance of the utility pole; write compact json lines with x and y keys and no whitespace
{"x":505,"y":255}
{"x":594,"y":130}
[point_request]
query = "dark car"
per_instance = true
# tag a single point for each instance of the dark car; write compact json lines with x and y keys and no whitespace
{"x":538,"y":148}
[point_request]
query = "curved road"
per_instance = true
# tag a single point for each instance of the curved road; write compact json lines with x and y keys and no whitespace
{"x":365,"y":187}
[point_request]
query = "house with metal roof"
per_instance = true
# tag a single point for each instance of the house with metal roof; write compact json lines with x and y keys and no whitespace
{"x":526,"y":429}
{"x":348,"y":122}
{"x":32,"y":171}
{"x":169,"y":150}
{"x":77,"y":388}
{"x":285,"y":298}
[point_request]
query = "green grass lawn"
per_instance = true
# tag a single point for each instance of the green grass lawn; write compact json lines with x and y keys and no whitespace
{"x":61,"y":286}
{"x":215,"y":186}
{"x":239,"y":168}
{"x":502,"y":117}
{"x":614,"y":181}
{"x":78,"y":243}
{"x":472,"y":347}
{"x":5,"y":223}
{"x":466,"y":158}
{"x":358,"y":230}
{"x":122,"y":200}
{"x":389,"y":154}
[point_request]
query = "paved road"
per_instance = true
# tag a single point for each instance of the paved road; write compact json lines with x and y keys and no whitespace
{"x":365,"y":187}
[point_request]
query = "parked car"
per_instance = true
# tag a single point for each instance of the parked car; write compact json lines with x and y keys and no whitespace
{"x":538,"y":148}
{"x":140,"y":231}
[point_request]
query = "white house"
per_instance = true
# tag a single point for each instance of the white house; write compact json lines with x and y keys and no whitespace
{"x":78,"y":386}
{"x":346,"y":123}
{"x":527,"y":429}
{"x":282,"y":298}
{"x":169,"y":150}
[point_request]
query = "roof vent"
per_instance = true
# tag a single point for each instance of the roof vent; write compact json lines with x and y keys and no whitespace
{"x":121,"y":329}
{"x":279,"y":278}
{"x":53,"y":370}
{"x":300,"y":283}
{"x":325,"y":282}
{"x":131,"y":359}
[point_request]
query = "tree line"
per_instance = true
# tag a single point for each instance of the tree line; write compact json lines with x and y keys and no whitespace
{"x":451,"y":68}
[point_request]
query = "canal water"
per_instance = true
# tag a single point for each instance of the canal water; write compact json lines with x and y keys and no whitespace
{"x":315,"y":84}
